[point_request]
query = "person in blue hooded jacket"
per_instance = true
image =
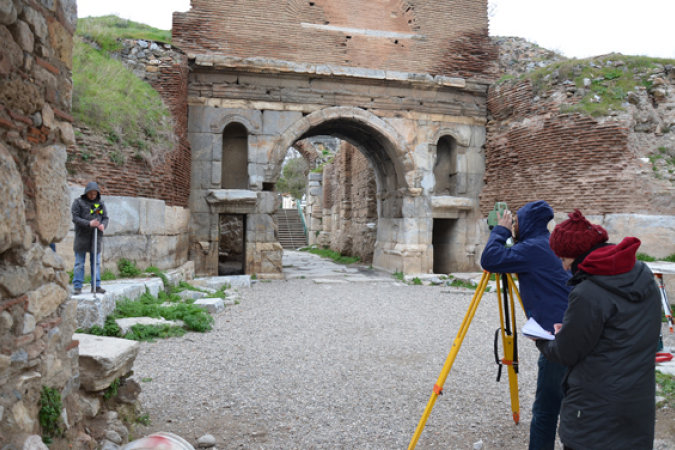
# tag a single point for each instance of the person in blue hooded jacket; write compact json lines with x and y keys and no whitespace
{"x":544,"y":292}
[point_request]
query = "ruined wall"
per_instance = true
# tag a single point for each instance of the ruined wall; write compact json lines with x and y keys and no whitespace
{"x":166,"y":176}
{"x":349,"y":212}
{"x":37,"y":317}
{"x":568,"y":159}
{"x":571,"y":160}
{"x":431,"y":37}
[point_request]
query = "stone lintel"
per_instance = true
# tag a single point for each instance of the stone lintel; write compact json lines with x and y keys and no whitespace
{"x":233,"y":201}
{"x":269,"y":65}
{"x":450,"y":207}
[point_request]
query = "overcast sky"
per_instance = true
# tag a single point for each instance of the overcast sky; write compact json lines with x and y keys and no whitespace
{"x":575,"y":28}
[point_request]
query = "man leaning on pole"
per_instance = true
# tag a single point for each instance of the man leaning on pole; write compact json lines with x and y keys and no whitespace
{"x":90,"y":218}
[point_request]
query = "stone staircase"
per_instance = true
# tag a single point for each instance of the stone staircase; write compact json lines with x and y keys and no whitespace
{"x":291,"y":232}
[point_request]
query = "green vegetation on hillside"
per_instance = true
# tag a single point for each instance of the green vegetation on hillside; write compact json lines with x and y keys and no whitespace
{"x":110,"y":99}
{"x":293,"y":178}
{"x":611,"y":77}
{"x":106,"y":30}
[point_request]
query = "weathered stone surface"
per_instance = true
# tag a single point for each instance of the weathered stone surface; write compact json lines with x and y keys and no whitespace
{"x":23,"y":36}
{"x":657,"y":233}
{"x":212,"y":305}
{"x":37,"y":21}
{"x":7,"y":13}
{"x":48,"y":170}
{"x":128,"y":322}
{"x":124,"y":212}
{"x":233,"y":281}
{"x":61,"y":41}
{"x":12,"y":216}
{"x":12,"y":55}
{"x":45,"y":300}
{"x":102,"y":359}
{"x":90,"y":405}
{"x":232,"y":201}
{"x":22,"y":417}
{"x":34,"y":442}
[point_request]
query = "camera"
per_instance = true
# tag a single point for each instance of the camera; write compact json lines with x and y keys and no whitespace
{"x":493,"y":217}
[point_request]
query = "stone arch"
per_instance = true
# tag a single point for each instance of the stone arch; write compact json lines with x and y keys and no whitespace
{"x":218,"y":126}
{"x":387,"y":151}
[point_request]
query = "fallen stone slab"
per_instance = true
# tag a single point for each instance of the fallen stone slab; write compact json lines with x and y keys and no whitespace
{"x":191,"y":295}
{"x":212,"y":305}
{"x":234,"y":281}
{"x":103,"y":359}
{"x":128,"y":322}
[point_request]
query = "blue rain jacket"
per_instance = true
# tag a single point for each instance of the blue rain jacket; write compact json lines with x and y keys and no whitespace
{"x":541,"y":278}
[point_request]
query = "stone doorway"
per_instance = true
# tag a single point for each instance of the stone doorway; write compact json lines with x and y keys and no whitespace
{"x":443,"y":236}
{"x":231,"y":244}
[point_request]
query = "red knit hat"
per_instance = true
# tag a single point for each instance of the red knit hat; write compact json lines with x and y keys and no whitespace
{"x":575,"y":236}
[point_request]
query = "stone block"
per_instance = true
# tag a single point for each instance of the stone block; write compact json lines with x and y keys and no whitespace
{"x":212,"y":305}
{"x":268,"y":202}
{"x":37,"y":21}
{"x":23,"y":36}
{"x":176,"y":220}
{"x":167,"y":251}
{"x":259,"y":147}
{"x":8,"y":13}
{"x":128,"y":322}
{"x":216,"y":173}
{"x":202,"y":174}
{"x":12,"y":215}
{"x":61,"y":41}
{"x":204,"y":146}
{"x":103,"y":359}
{"x":48,"y":172}
{"x":233,"y":281}
{"x":276,"y":122}
{"x":124,"y":214}
{"x":131,"y":247}
{"x":151,"y":216}
{"x":45,"y":300}
{"x":200,"y":226}
{"x":657,"y":233}
{"x":207,"y":119}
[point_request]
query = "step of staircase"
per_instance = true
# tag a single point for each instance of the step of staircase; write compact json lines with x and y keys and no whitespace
{"x":291,"y":233}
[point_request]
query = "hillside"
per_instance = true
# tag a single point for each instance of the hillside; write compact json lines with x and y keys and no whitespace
{"x":119,"y":117}
{"x":634,"y":90}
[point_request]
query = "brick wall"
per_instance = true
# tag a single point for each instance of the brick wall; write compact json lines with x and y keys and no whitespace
{"x":167,"y":178}
{"x":572,"y":161}
{"x":422,"y":36}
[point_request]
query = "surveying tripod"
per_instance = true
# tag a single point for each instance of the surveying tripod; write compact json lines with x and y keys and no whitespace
{"x":505,"y":291}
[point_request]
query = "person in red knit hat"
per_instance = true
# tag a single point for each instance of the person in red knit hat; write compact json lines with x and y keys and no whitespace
{"x":608,"y":339}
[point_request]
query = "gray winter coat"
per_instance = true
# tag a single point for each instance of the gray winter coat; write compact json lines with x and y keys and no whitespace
{"x":84,"y":211}
{"x":608,"y":340}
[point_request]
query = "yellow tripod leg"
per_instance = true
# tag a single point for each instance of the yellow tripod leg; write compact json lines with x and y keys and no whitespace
{"x":509,"y":344}
{"x":438,"y":387}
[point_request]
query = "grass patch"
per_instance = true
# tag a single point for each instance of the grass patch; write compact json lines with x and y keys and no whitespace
{"x":114,"y":102}
{"x":50,"y":414}
{"x":644,"y":257}
{"x":400,"y":276}
{"x":609,"y":83}
{"x":128,"y":268}
{"x":416,"y":281}
{"x":665,"y":387}
{"x":106,"y":30}
{"x":167,"y":306}
{"x":463,"y":284}
{"x":335,"y":256}
{"x":158,"y":273}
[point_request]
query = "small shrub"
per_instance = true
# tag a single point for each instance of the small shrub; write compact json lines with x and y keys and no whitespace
{"x":50,"y":413}
{"x":128,"y":268}
{"x":144,"y":419}
{"x":416,"y":281}
{"x":148,"y":333}
{"x":644,"y":257}
{"x":112,"y":389}
{"x":670,"y":258}
{"x":108,"y":275}
{"x":398,"y":275}
{"x":158,"y":273}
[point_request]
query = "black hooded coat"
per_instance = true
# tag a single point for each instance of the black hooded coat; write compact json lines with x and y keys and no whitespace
{"x":608,"y":340}
{"x":84,"y":211}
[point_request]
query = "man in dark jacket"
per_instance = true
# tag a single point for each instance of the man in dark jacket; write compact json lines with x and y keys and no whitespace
{"x":543,"y":288}
{"x":608,"y":338}
{"x":89,"y":214}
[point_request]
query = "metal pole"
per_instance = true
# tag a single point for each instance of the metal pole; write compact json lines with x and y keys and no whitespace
{"x":95,"y":261}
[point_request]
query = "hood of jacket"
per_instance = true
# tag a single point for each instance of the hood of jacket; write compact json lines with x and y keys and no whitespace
{"x":612,"y":259}
{"x":614,"y":268}
{"x":533,"y":219}
{"x":92,"y":186}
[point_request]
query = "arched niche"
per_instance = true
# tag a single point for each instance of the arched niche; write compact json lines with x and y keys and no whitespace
{"x":446,"y":167}
{"x":234,"y":160}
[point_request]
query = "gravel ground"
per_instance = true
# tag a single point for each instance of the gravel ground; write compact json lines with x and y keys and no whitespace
{"x":301,"y":364}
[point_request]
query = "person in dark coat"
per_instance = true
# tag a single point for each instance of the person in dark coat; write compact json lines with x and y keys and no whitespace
{"x":608,"y":339}
{"x":544,"y":291}
{"x":89,"y":213}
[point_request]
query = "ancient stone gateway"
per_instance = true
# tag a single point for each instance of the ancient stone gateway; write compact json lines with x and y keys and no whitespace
{"x":411,"y":96}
